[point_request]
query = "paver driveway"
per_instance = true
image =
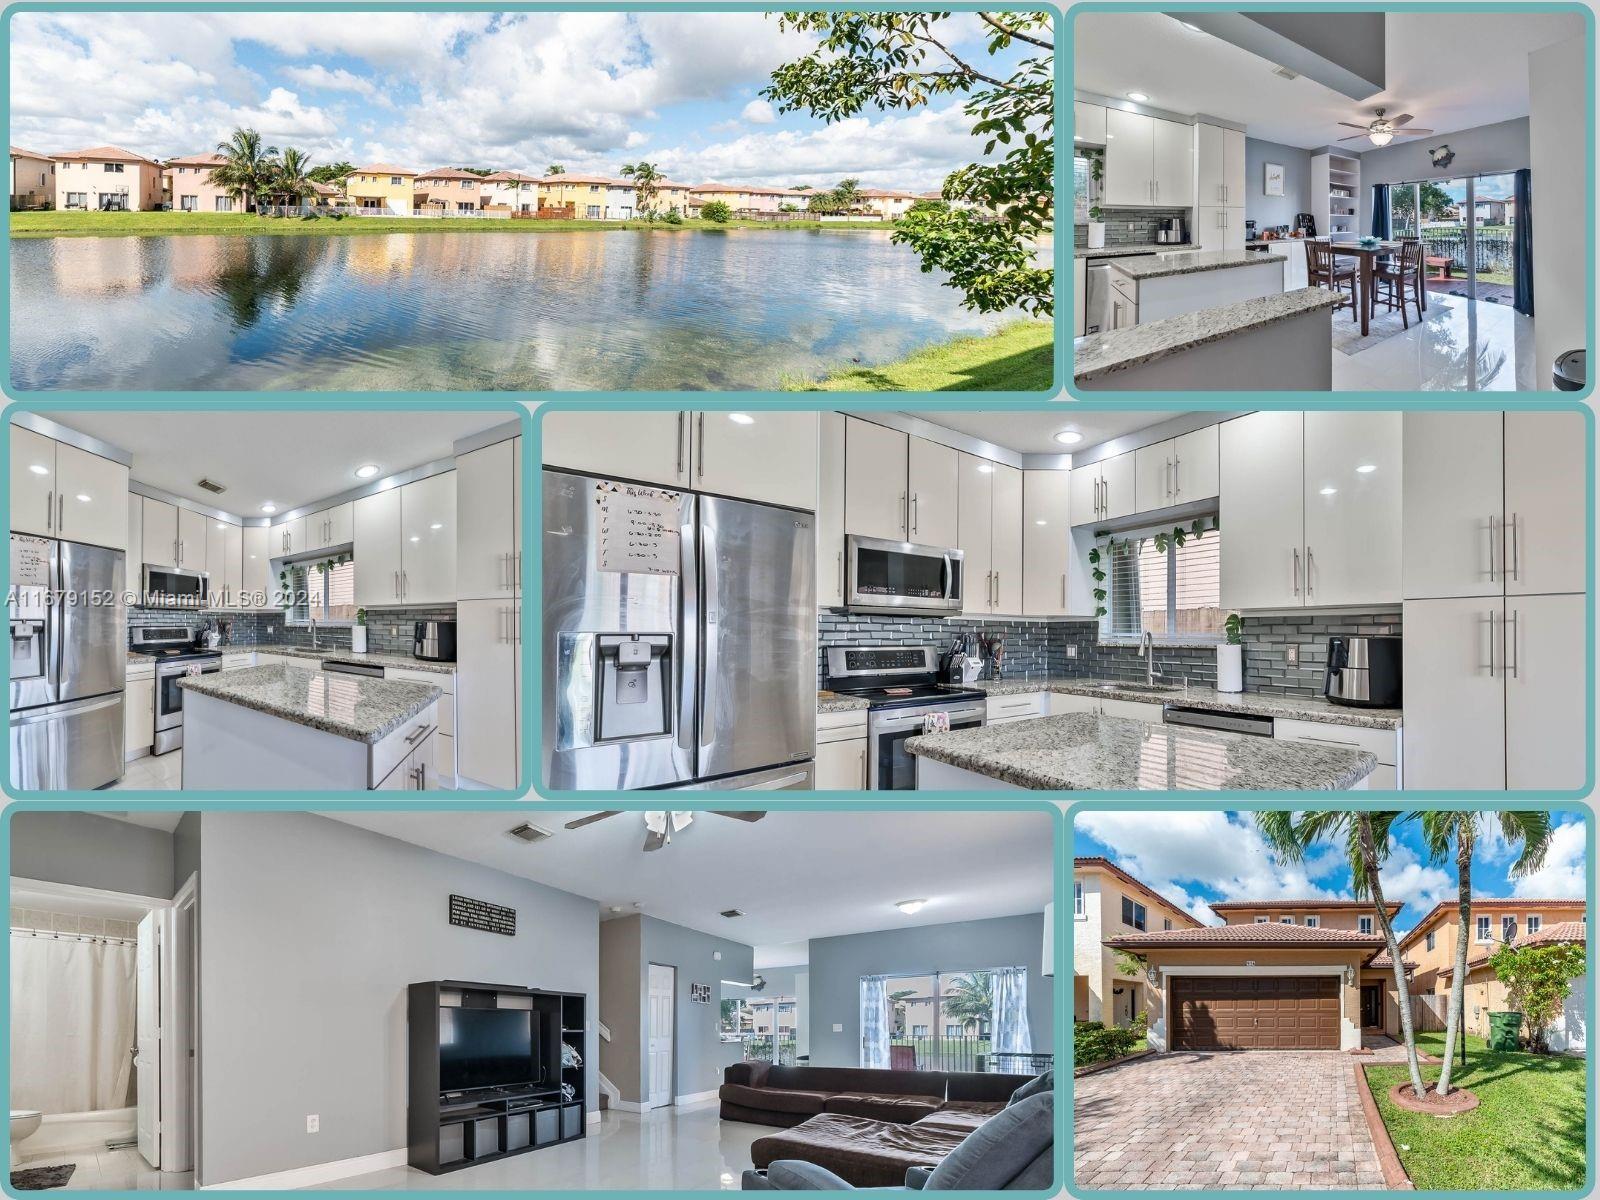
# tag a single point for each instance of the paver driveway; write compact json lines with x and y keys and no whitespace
{"x":1245,"y":1119}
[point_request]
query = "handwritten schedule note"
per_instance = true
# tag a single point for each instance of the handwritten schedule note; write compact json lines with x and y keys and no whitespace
{"x":637,"y":528}
{"x":30,"y":561}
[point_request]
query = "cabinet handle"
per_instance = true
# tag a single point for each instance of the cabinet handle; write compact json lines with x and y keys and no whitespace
{"x":700,"y":458}
{"x":1491,"y":643}
{"x":397,"y":585}
{"x":415,"y":734}
{"x":680,"y":442}
{"x":1516,"y":553}
{"x":405,"y":582}
{"x":49,"y":509}
{"x":1492,"y":532}
{"x":841,"y":575}
{"x":1308,"y":572}
{"x":997,"y":589}
{"x":1177,"y":476}
{"x":915,"y":522}
{"x":1063,"y":589}
{"x":1513,"y":656}
{"x":905,"y":514}
{"x":1297,"y":571}
{"x":61,"y":511}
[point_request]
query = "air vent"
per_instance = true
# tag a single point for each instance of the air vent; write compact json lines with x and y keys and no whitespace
{"x":214,"y":488}
{"x":1284,"y":73}
{"x":529,"y":833}
{"x":732,"y":912}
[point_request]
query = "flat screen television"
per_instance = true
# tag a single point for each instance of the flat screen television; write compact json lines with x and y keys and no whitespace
{"x":486,"y":1047}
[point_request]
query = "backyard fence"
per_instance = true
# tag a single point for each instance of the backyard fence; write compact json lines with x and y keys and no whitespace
{"x":1428,"y":1012}
{"x":1494,"y":252}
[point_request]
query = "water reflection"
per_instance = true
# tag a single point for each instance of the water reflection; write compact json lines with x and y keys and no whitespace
{"x":617,"y":309}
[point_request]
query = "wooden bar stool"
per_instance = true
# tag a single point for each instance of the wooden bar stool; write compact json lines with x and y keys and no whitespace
{"x":1323,"y":269}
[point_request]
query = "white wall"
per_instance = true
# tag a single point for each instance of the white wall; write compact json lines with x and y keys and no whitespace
{"x":1558,"y":119}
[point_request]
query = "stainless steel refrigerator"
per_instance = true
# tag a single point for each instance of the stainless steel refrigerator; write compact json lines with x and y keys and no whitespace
{"x":679,"y":639}
{"x":69,"y":657}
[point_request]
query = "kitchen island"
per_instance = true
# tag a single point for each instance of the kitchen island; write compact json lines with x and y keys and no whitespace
{"x":1093,"y":752}
{"x":285,"y":728}
{"x":1153,"y":287}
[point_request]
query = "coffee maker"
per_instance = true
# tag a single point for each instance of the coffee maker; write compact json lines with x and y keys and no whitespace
{"x":1305,"y":224}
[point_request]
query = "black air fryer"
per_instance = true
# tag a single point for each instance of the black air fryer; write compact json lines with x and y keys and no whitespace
{"x":434,"y":641}
{"x":1363,"y":672}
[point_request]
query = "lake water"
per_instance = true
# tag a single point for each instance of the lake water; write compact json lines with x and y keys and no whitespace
{"x":618,"y":309}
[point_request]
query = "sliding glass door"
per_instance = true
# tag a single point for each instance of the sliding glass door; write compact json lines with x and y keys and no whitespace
{"x":1468,"y":231}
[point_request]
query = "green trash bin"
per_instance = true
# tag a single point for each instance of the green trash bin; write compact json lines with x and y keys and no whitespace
{"x":1503,"y":1030}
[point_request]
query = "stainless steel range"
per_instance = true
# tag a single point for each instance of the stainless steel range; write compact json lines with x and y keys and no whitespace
{"x":901,"y":687}
{"x":177,"y":651}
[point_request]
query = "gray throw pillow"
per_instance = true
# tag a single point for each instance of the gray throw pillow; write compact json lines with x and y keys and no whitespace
{"x":1000,"y":1150}
{"x":1040,"y":1083}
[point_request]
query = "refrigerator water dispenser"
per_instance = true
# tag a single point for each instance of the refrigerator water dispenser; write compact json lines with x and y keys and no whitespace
{"x":632,"y":682}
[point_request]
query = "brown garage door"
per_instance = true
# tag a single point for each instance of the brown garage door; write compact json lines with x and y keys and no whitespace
{"x":1274,"y":1013}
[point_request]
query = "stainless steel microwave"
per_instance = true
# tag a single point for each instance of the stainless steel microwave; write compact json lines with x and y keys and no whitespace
{"x":883,"y":576}
{"x":172,"y":587}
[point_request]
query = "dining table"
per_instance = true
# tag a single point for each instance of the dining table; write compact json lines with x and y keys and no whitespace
{"x":1368,"y":255}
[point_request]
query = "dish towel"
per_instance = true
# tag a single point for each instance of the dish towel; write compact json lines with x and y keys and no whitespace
{"x":936,"y":722}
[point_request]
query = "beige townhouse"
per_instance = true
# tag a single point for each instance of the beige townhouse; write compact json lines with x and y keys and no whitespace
{"x":189,"y":187}
{"x":889,"y":205}
{"x":445,"y":190}
{"x":382,"y":188}
{"x":1108,"y":902}
{"x":32,"y":179}
{"x":107,"y":179}
{"x":512,"y":190}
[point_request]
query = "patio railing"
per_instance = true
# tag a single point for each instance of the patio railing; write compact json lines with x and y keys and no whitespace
{"x":938,"y":1053}
{"x":1494,"y":252}
{"x":764,"y":1048}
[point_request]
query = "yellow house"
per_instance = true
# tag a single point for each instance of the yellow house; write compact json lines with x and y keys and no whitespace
{"x":381,"y":188}
{"x":1108,"y":902}
{"x":32,"y":179}
{"x":589,"y":197}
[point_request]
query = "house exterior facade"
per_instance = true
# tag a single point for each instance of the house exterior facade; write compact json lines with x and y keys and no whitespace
{"x":511,"y":189}
{"x":446,"y":190}
{"x":32,"y":179}
{"x":589,"y":197}
{"x":381,"y":188}
{"x":107,"y":179}
{"x":1108,"y":902}
{"x":890,"y":206}
{"x":745,"y":198}
{"x":188,"y":186}
{"x":669,"y":196}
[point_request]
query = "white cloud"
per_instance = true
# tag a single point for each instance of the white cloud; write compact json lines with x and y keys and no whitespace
{"x":1406,"y":878}
{"x":1564,"y":874}
{"x":318,"y":77}
{"x":758,"y":112}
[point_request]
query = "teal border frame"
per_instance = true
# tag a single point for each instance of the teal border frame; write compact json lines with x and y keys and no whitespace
{"x":1065,"y":47}
{"x":1059,"y":245}
{"x":508,"y":410}
{"x":1059,"y":1007}
{"x":1584,"y":811}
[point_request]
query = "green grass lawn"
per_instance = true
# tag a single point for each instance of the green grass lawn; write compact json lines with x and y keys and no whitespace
{"x":1018,"y":358}
{"x":162,"y":224}
{"x":1527,"y":1132}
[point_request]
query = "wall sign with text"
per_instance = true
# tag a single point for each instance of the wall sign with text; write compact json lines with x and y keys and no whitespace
{"x":482,"y":915}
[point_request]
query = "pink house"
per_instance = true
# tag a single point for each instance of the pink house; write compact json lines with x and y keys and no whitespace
{"x":189,"y":188}
{"x":746,"y":197}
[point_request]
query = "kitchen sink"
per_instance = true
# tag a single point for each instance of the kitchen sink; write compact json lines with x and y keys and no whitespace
{"x":1153,"y":689}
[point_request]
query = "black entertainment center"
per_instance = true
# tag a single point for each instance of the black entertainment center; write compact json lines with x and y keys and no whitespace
{"x":488,"y":1069}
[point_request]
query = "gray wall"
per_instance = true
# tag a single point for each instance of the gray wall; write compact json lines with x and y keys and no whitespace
{"x":838,"y":963}
{"x":621,"y":1058}
{"x":88,"y":850}
{"x":1267,"y":210}
{"x":312,"y":931}
{"x":699,"y":1054}
{"x":1486,"y":148}
{"x":185,"y":849}
{"x":789,"y":981}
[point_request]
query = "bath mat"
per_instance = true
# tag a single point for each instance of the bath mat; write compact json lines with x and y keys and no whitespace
{"x":38,"y":1179}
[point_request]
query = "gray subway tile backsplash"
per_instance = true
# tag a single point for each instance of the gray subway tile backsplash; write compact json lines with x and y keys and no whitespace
{"x":389,"y":630}
{"x":1129,"y":226}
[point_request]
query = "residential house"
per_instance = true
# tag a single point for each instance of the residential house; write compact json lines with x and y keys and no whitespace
{"x":325,"y":195}
{"x":888,"y":205}
{"x":447,"y":190}
{"x":1495,"y":210}
{"x":589,"y":197}
{"x":745,"y":198}
{"x":511,"y":189}
{"x":1433,"y":944}
{"x":188,"y":186}
{"x":107,"y":179}
{"x":669,"y":196}
{"x":32,"y":179}
{"x":1279,"y":975}
{"x":1108,"y":902}
{"x":382,"y":188}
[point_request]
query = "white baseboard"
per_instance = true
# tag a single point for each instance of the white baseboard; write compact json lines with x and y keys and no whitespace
{"x":630,"y":1106}
{"x":695,"y":1097}
{"x":318,"y":1173}
{"x":592,"y":1118}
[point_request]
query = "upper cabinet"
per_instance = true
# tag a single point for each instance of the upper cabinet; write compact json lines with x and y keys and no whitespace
{"x":1177,"y":471}
{"x":330,"y":527}
{"x":830,"y":510}
{"x":193,"y":531}
{"x":405,"y":543}
{"x":990,"y":536}
{"x":651,"y":447}
{"x":875,"y":469}
{"x":255,"y":567}
{"x":60,"y":491}
{"x":1088,"y":124}
{"x":1452,"y":505}
{"x":931,"y":479}
{"x":1218,"y":166}
{"x":1546,"y":518}
{"x":1149,"y":162}
{"x":1046,"y":542}
{"x":133,"y":561}
{"x":1262,"y":510}
{"x":289,"y":537}
{"x":488,"y":554}
{"x":1105,"y":490}
{"x":160,"y":532}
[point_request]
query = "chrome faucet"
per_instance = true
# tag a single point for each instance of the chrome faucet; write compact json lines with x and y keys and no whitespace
{"x":314,"y":645}
{"x":1147,"y":651}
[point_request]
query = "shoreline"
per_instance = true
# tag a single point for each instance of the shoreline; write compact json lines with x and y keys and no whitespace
{"x":1018,"y":357}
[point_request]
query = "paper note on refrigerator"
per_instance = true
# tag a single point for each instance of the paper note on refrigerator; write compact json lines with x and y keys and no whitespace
{"x":636,"y":529}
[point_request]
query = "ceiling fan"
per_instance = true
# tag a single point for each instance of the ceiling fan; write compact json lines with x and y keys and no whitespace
{"x":1381,"y":130}
{"x":660,"y":825}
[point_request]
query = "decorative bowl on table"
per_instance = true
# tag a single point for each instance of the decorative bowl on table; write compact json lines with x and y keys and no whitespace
{"x":1368,"y":242}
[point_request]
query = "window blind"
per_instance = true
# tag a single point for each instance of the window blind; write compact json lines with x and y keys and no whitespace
{"x":1170,"y":593}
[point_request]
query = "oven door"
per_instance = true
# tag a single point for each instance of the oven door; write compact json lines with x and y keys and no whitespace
{"x":169,"y":696}
{"x":900,"y":578}
{"x":168,"y":587}
{"x":890,"y":766}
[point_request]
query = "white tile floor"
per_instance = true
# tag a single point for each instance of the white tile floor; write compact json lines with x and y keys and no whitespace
{"x":158,"y":772}
{"x":678,"y":1148}
{"x":110,"y":1170}
{"x":1459,"y":345}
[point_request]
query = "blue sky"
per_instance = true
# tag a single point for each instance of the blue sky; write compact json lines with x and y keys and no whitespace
{"x":589,"y":90}
{"x":1196,"y":856}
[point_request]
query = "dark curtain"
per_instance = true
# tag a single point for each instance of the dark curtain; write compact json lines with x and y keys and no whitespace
{"x":1381,"y":225}
{"x":1522,"y":246}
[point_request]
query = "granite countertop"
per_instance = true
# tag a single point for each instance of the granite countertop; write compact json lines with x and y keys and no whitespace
{"x":1101,"y":354}
{"x":1126,"y":251}
{"x":1256,"y":704}
{"x":1088,"y":752}
{"x":1190,"y":262}
{"x":372,"y":660}
{"x":832,"y":702}
{"x":349,"y":706}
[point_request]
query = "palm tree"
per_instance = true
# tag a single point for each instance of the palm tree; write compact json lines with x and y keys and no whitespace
{"x":646,"y":179}
{"x":555,"y":169}
{"x":248,"y":171}
{"x":970,"y":999}
{"x":292,"y":180}
{"x":1366,"y":838}
{"x":333,"y":173}
{"x":1441,"y":827}
{"x":847,"y":194}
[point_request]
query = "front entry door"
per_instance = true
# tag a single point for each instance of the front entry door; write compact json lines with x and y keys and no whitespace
{"x":1371,"y":1005}
{"x":662,"y":983}
{"x":147,"y":1040}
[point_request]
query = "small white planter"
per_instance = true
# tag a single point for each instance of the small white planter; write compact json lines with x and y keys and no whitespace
{"x":358,"y":639}
{"x":1097,"y":235}
{"x":1230,"y":668}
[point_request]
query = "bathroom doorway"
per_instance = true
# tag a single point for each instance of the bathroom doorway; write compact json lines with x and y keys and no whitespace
{"x":102,"y":1026}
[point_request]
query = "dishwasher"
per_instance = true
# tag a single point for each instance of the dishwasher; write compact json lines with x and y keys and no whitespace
{"x":333,"y":666}
{"x":1226,"y":722}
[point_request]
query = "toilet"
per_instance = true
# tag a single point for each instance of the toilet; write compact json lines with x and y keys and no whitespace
{"x":24,"y":1124}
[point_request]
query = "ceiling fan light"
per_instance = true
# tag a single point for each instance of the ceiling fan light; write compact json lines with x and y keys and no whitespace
{"x":910,"y":907}
{"x":1380,"y":137}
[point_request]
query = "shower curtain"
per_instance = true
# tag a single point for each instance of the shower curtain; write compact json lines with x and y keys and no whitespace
{"x":72,"y":1011}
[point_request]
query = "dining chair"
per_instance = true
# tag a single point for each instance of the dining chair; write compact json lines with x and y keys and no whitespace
{"x":1394,"y":273}
{"x":1323,"y":269}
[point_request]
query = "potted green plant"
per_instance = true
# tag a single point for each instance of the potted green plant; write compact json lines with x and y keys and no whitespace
{"x":1097,"y":227}
{"x":1230,"y":656}
{"x":358,"y":633}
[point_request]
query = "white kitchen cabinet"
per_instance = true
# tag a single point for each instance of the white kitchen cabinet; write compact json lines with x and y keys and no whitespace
{"x":486,"y":512}
{"x":1005,"y":540}
{"x":764,"y":454}
{"x":487,"y":700}
{"x":1046,"y":542}
{"x":931,"y":477}
{"x":1088,"y":124}
{"x":138,"y":715}
{"x":1217,"y":228}
{"x":1293,"y":253}
{"x":232,"y":565}
{"x":875,"y":480}
{"x":416,"y":772}
{"x":255,"y":568}
{"x":1382,"y":744}
{"x":1455,"y":693}
{"x":193,"y":530}
{"x":238,"y":662}
{"x":830,"y":510}
{"x":1452,"y":504}
{"x":216,"y":557}
{"x":133,"y":561}
{"x":1218,"y":166}
{"x":1080,"y":295}
{"x":289,"y":538}
{"x":1352,"y":507}
{"x":1178,"y":470}
{"x":58,"y":490}
{"x":1262,"y":510}
{"x":428,"y":540}
{"x":33,"y":482}
{"x":841,"y":766}
{"x":160,"y":532}
{"x":1547,"y":719}
{"x":1130,"y":154}
{"x":377,"y":548}
{"x":1132,"y":710}
{"x":1083,"y":494}
{"x":1062,"y":702}
{"x":974,"y":533}
{"x":444,"y":752}
{"x":1004,"y":710}
{"x":651,"y":447}
{"x":1172,"y":163}
{"x":329,"y":527}
{"x":1546,"y":514}
{"x":1105,"y":490}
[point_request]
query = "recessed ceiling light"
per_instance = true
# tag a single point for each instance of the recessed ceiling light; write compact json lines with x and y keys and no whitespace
{"x":1069,"y":437}
{"x":269,"y":508}
{"x":367,"y":470}
{"x":909,"y":906}
{"x":1139,"y":96}
{"x":1366,"y":468}
{"x":741,"y":418}
{"x":1329,"y":491}
{"x":38,"y":470}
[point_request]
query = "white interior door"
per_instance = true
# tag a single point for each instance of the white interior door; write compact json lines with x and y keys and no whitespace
{"x":662,"y":983}
{"x":147,"y":1040}
{"x":177,"y":1047}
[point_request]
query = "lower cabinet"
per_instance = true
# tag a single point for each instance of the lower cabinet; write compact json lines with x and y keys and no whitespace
{"x":1133,"y":710}
{"x":444,"y":752}
{"x":138,"y":715}
{"x":841,"y":759}
{"x":416,"y":772}
{"x":1384,"y":744}
{"x":488,"y":742}
{"x":1003,"y":710}
{"x":1061,"y":702}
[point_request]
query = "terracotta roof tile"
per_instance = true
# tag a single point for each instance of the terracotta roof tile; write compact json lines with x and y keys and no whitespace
{"x":104,"y":154}
{"x":449,"y":173}
{"x":1449,"y":906}
{"x":19,"y":152}
{"x":197,"y":160}
{"x":382,"y":169}
{"x":1241,"y":905}
{"x":1383,"y":961}
{"x":1271,"y":934}
{"x":1561,"y":931}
